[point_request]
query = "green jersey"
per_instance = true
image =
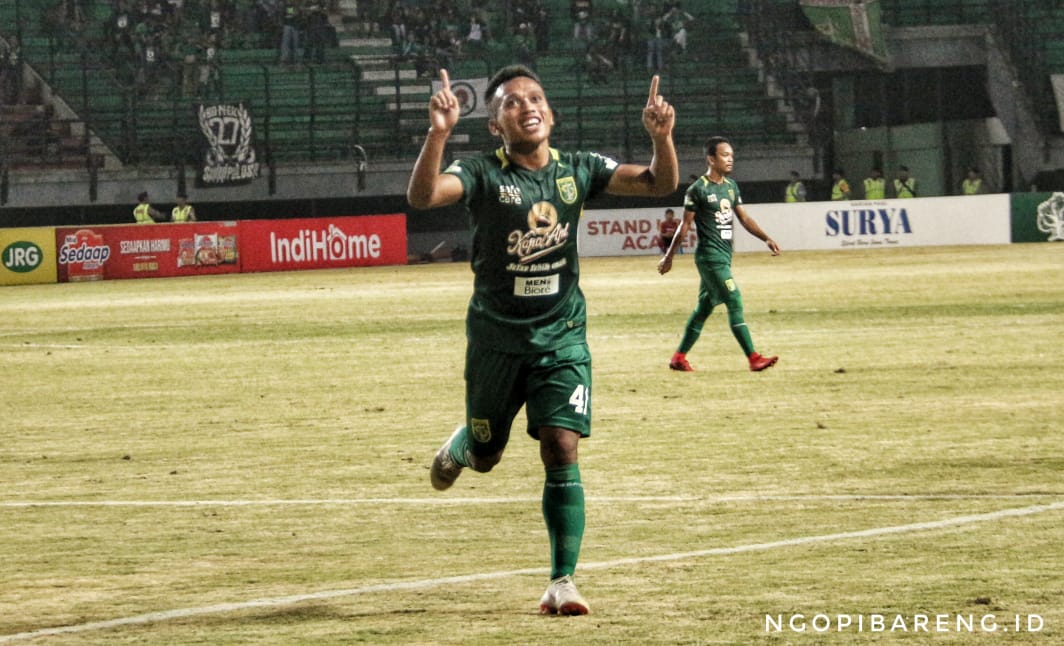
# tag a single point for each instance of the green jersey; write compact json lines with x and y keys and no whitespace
{"x":526,"y":291}
{"x":714,"y":218}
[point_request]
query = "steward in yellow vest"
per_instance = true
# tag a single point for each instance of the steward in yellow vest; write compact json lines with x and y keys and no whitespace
{"x":183,"y":212}
{"x":973,"y":183}
{"x":840,"y":188}
{"x":795,"y":191}
{"x":904,"y":186}
{"x":875,"y":187}
{"x":143,"y":213}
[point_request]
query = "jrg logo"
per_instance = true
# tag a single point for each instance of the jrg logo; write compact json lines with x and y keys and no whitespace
{"x":22,"y":256}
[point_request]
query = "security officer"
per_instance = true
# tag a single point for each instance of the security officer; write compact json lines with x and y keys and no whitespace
{"x":183,"y":212}
{"x":875,"y":187}
{"x":795,"y":191}
{"x":840,"y":188}
{"x":143,"y":212}
{"x":973,"y":183}
{"x":904,"y":186}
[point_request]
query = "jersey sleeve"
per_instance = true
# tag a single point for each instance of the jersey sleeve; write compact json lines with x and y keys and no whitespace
{"x":690,"y":197}
{"x":467,"y":172}
{"x":600,"y":169}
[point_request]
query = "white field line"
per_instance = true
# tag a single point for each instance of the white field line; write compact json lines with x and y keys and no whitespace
{"x":442,"y":501}
{"x":167,"y":615}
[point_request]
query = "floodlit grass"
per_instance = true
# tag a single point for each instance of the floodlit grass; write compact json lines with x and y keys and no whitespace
{"x":183,"y":444}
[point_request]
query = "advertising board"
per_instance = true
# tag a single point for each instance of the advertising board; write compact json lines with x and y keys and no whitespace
{"x":323,"y":243}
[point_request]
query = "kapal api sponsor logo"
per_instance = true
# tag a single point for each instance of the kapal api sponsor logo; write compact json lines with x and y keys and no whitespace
{"x":22,"y":257}
{"x":867,"y":226}
{"x":331,"y":244}
{"x":545,"y":234}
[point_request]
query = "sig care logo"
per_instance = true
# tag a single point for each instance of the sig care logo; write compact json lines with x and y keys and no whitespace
{"x":22,"y":257}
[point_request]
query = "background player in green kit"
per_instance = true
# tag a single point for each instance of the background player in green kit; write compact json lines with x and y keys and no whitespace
{"x":713,"y":203}
{"x":526,"y":320}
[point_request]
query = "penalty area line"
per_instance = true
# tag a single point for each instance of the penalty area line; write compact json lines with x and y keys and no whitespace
{"x":180,"y":613}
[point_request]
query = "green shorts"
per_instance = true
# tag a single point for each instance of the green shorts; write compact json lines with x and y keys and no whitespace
{"x":717,"y":285}
{"x":554,"y":388}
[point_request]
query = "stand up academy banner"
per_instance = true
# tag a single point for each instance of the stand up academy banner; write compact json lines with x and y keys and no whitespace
{"x":229,"y":145}
{"x":854,"y":24}
{"x":146,"y":251}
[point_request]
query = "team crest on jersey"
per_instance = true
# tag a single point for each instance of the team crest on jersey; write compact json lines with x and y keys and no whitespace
{"x":480,"y":429}
{"x":567,"y":189}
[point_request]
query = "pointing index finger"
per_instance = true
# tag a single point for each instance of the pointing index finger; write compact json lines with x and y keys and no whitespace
{"x":445,"y":80}
{"x":653,"y":90}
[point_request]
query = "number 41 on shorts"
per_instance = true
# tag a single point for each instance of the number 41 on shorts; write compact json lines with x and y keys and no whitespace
{"x":580,"y":400}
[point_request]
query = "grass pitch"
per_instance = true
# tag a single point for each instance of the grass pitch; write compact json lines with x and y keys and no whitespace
{"x":244,"y":460}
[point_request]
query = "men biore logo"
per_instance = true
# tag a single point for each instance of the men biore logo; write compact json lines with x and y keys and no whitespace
{"x":22,"y":257}
{"x":323,"y":245}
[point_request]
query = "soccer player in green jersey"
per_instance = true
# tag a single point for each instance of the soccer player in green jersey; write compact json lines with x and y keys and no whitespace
{"x":713,"y":203}
{"x":526,"y":321}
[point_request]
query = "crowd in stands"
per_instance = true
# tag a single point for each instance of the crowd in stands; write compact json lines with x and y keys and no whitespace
{"x":603,"y":33}
{"x":146,"y":40}
{"x":151,"y":40}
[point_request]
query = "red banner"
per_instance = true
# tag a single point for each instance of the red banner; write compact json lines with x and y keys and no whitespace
{"x":322,"y":243}
{"x":146,"y":251}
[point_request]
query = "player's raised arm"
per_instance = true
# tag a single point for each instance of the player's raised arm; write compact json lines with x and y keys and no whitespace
{"x":429,"y":188}
{"x":662,"y":176}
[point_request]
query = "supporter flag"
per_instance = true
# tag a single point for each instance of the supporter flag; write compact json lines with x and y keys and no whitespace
{"x":855,"y":24}
{"x":1058,"y":91}
{"x":229,"y":145}
{"x":470,"y":94}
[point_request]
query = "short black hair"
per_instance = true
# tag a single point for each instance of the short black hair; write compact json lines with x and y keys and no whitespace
{"x":505,"y":74}
{"x":142,"y":196}
{"x":710,"y":149}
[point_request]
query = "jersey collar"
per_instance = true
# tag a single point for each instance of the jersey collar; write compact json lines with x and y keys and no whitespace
{"x":504,"y":160}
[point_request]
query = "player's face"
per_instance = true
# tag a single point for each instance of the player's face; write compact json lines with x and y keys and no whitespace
{"x":522,"y":114}
{"x":724,"y":161}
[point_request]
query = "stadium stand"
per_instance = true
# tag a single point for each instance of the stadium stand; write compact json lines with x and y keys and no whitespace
{"x":745,"y":73}
{"x":366,"y":93}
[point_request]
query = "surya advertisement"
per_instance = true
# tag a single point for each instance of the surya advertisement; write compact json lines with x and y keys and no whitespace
{"x":969,"y":220}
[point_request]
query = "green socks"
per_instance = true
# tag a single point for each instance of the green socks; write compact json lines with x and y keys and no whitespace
{"x":742,"y":335}
{"x":460,"y":446}
{"x":563,"y":510}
